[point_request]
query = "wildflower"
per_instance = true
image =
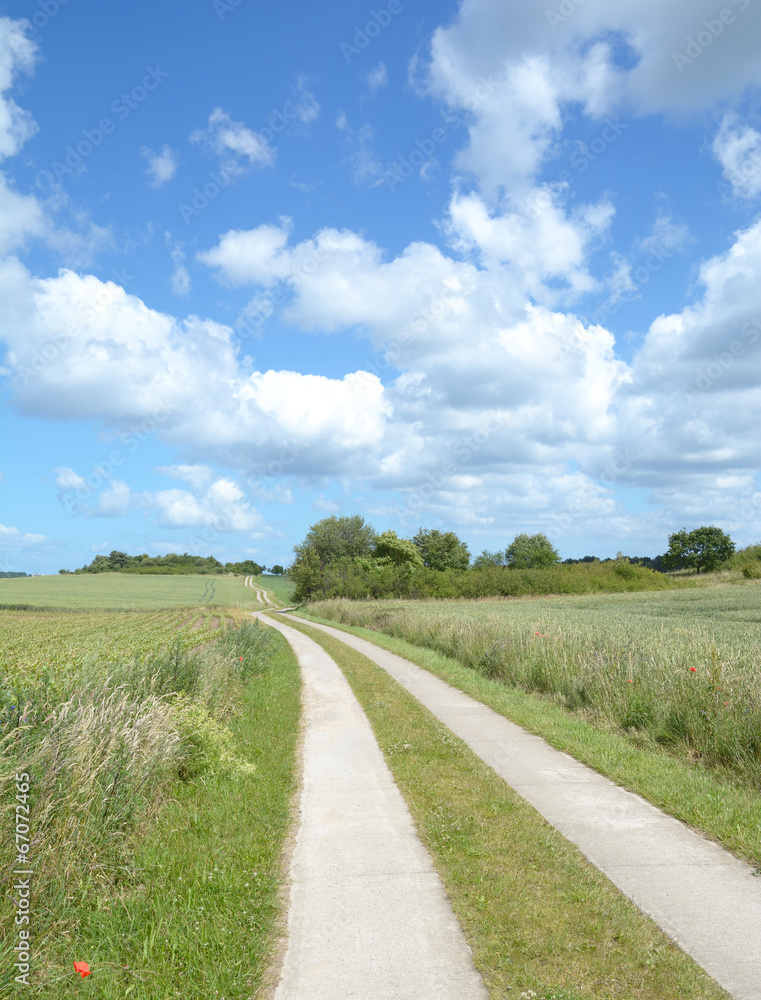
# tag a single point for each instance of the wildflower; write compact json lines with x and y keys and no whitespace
{"x":82,"y":968}
{"x":241,"y":657}
{"x":693,"y":670}
{"x":540,"y":634}
{"x":628,"y":680}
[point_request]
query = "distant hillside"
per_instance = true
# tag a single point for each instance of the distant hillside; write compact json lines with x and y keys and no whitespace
{"x":8,"y":576}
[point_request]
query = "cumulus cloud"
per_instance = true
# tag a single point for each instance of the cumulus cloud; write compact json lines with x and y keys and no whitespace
{"x":161,"y":166}
{"x":112,"y":502}
{"x":738,"y":149}
{"x":79,"y":348}
{"x":602,"y":57}
{"x":222,"y":507}
{"x":224,"y":137}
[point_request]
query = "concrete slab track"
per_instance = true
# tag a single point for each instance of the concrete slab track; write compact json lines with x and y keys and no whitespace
{"x":703,"y":897}
{"x":368,"y":916}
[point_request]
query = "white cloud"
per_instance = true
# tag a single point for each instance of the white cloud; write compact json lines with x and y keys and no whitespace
{"x":601,"y":57}
{"x":112,"y":502}
{"x":739,"y":152}
{"x":666,"y":235}
{"x":199,"y":476}
{"x":224,"y":136}
{"x":694,"y":402}
{"x":79,"y":348}
{"x":251,"y":256}
{"x":12,"y":538}
{"x":21,"y":216}
{"x":222,"y":507}
{"x":537,"y":239}
{"x":17,"y":53}
{"x":377,"y":78}
{"x":161,"y":166}
{"x":68,"y":479}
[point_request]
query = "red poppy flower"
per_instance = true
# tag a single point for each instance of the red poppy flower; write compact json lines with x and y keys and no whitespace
{"x":241,"y":657}
{"x":693,"y":670}
{"x":540,"y":634}
{"x":82,"y":968}
{"x":628,"y":681}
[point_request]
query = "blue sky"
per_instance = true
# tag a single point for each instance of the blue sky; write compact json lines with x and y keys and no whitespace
{"x":485,"y":267}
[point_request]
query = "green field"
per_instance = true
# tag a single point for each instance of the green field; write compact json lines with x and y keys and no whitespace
{"x":129,"y":591}
{"x":678,"y":669}
{"x":279,"y":587}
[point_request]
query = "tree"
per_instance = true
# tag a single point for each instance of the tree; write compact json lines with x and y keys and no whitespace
{"x":704,"y":548}
{"x":335,"y":538}
{"x":277,"y":570}
{"x":441,"y":550}
{"x":487,"y":559}
{"x":117,"y":560}
{"x":399,"y":551}
{"x":531,"y":552}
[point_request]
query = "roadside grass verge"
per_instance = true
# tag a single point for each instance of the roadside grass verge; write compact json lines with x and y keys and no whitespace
{"x":718,"y":804}
{"x":160,"y":801}
{"x":536,"y":914}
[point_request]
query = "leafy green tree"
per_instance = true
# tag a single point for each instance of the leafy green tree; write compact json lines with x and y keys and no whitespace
{"x":329,"y":541}
{"x":399,"y":551}
{"x":277,"y":570}
{"x":335,"y":538}
{"x":441,"y":550}
{"x":531,"y":552}
{"x":487,"y":559}
{"x":704,"y":548}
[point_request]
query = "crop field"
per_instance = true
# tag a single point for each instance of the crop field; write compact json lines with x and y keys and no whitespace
{"x":680,"y":669}
{"x":279,"y":587}
{"x":58,"y":643}
{"x":127,"y":591}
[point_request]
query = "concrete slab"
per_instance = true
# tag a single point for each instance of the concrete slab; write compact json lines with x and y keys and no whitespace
{"x":368,"y":916}
{"x":703,"y":897}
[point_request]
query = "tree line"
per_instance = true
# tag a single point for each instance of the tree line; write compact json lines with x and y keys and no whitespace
{"x":346,"y":557}
{"x":120,"y":562}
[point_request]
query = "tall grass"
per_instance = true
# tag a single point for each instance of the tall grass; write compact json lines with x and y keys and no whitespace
{"x":682,"y":688}
{"x":102,"y":751}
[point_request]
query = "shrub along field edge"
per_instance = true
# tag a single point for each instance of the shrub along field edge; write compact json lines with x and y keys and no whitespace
{"x":542,"y":922}
{"x":717,"y":804}
{"x":160,"y":800}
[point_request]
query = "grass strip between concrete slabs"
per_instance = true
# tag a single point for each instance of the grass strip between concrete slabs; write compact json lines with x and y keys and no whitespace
{"x":542,"y":921}
{"x":720,"y":806}
{"x":200,"y":916}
